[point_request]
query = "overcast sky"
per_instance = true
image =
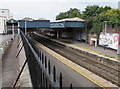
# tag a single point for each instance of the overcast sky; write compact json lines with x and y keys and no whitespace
{"x":48,"y":8}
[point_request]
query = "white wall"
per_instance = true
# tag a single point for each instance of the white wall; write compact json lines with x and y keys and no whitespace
{"x":5,"y":13}
{"x":4,"y":16}
{"x":1,"y":25}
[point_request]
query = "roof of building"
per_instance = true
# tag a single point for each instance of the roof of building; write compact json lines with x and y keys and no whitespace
{"x":4,"y":9}
{"x":27,"y":19}
{"x":70,"y":19}
{"x":42,"y":19}
{"x":12,"y":21}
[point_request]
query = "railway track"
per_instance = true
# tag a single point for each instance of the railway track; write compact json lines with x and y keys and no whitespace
{"x":109,"y":73}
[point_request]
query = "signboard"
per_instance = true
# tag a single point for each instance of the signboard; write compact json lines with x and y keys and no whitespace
{"x":109,"y":39}
{"x":57,"y":25}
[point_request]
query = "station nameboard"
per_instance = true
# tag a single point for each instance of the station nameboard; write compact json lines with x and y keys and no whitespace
{"x":57,"y":25}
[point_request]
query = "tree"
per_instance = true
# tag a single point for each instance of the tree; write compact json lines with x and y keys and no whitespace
{"x":94,"y":10}
{"x":112,"y":17}
{"x":73,"y":12}
{"x":96,"y":27}
{"x":94,"y":17}
{"x":90,"y":11}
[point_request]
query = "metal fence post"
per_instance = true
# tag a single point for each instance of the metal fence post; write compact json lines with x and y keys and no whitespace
{"x":71,"y":87}
{"x":45,"y":62}
{"x":54,"y":74}
{"x":60,"y":80}
{"x":42,"y":58}
{"x":38,"y":53}
{"x":46,"y":84}
{"x":49,"y":70}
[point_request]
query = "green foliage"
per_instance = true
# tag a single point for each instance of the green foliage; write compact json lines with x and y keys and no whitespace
{"x":94,"y":10}
{"x":112,"y":16}
{"x":96,"y":27}
{"x":73,"y":12}
{"x":94,"y":17}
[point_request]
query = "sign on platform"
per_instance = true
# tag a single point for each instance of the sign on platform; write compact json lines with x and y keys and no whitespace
{"x":109,"y":39}
{"x":57,"y":25}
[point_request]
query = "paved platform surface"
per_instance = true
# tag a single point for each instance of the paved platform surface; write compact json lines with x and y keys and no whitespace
{"x":11,"y":66}
{"x":109,"y":53}
{"x":98,"y":49}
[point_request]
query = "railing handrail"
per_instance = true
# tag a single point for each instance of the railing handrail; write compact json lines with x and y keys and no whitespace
{"x":55,"y":84}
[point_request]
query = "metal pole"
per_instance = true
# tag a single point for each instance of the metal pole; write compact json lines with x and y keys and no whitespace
{"x":21,"y":71}
{"x":105,"y":34}
{"x":54,"y":74}
{"x":57,"y":34}
{"x":13,"y":30}
{"x":105,"y":27}
{"x":18,"y":28}
{"x":60,"y":80}
{"x":25,"y":28}
{"x":118,"y":51}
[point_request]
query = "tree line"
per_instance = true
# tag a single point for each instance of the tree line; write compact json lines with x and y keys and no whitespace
{"x":95,"y":17}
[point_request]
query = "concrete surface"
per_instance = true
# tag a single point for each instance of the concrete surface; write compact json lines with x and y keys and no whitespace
{"x":25,"y":80}
{"x":77,"y":75}
{"x":99,"y":49}
{"x":4,"y":43}
{"x":4,"y":38}
{"x":11,"y":66}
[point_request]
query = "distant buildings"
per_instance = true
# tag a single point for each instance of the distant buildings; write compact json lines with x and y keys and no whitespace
{"x":4,"y":17}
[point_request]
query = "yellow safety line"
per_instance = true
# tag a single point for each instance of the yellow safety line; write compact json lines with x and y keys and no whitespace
{"x":94,"y":52}
{"x":72,"y":67}
{"x":84,"y":49}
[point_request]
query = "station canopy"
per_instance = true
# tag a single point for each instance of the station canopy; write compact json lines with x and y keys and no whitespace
{"x":68,"y":22}
{"x":12,"y":21}
{"x":32,"y":23}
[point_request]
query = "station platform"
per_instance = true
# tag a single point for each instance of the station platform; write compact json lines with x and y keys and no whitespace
{"x":77,"y":68}
{"x":11,"y":66}
{"x":99,"y":50}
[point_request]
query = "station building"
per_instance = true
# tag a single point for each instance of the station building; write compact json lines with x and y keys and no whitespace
{"x":70,"y":28}
{"x":4,"y":17}
{"x":12,"y":24}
